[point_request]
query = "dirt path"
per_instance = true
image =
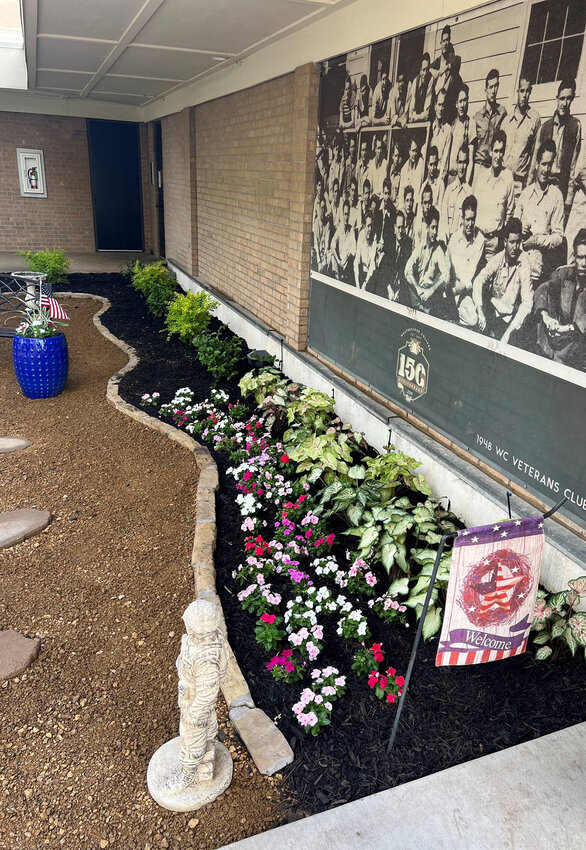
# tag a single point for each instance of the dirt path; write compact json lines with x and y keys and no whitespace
{"x":104,"y":588}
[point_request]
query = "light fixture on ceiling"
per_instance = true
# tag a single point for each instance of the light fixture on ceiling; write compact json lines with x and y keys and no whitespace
{"x":218,"y":58}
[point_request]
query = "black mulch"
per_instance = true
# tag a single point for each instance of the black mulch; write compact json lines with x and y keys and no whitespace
{"x":451,"y":715}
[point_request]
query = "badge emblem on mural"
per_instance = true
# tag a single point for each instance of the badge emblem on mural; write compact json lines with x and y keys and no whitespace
{"x":494,"y":577}
{"x":413,"y":365}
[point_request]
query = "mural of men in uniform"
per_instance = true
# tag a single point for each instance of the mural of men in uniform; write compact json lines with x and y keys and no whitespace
{"x":521,"y":126}
{"x":428,"y":274}
{"x":566,"y":131}
{"x":466,"y":249}
{"x":541,"y":210}
{"x":494,"y":186}
{"x":488,"y":120}
{"x":502,"y":291}
{"x":561,"y":306}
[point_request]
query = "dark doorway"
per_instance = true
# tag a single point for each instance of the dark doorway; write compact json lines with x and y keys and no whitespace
{"x":114,"y":150}
{"x":159,"y":186}
{"x":411,"y":48}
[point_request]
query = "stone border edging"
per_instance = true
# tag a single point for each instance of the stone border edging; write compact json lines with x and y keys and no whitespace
{"x":266,"y":744}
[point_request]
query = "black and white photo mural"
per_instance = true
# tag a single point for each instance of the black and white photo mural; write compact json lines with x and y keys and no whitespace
{"x":449,"y":233}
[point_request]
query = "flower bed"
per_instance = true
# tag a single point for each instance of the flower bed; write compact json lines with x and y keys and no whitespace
{"x":452,"y":714}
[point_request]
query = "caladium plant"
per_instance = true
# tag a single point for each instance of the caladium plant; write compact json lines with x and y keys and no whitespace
{"x":557,"y":622}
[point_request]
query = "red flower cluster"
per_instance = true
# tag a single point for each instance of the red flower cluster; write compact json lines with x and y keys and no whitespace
{"x":268,"y":618}
{"x":388,"y":685}
{"x":259,"y":545}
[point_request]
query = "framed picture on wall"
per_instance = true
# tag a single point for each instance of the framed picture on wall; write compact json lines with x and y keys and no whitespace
{"x":31,"y":173}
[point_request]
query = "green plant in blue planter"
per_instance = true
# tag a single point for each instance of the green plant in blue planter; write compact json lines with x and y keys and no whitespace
{"x":39,"y":349}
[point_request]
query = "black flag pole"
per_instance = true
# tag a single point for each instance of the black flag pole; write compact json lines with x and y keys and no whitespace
{"x":417,"y":640}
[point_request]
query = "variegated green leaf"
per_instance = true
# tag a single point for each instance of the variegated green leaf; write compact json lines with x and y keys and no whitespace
{"x":369,"y":537}
{"x":432,"y":622}
{"x":579,"y":585}
{"x":357,"y":472}
{"x":541,"y":637}
{"x":572,"y":598}
{"x":557,"y":601}
{"x":400,"y":586}
{"x":558,"y":628}
{"x":577,"y":624}
{"x":388,"y":552}
{"x":543,"y":652}
{"x":354,"y":514}
{"x":571,"y":640}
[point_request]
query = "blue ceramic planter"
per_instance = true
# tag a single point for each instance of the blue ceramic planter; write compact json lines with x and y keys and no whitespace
{"x":41,"y":365}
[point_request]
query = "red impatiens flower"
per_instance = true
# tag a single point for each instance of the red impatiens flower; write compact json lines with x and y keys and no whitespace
{"x":391,"y":697}
{"x":284,"y":458}
{"x":400,"y":681}
{"x":268,"y":618}
{"x":391,"y":671}
{"x":373,"y":679}
{"x":383,"y":682}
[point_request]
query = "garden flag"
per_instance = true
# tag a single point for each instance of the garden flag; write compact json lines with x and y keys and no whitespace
{"x":493,"y":584}
{"x":55,"y":309}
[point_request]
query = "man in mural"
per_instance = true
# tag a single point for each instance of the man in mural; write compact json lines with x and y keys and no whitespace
{"x":379,"y":111}
{"x":365,"y":260}
{"x":362,"y":170}
{"x":322,"y":232}
{"x":395,"y":173}
{"x":349,"y":164}
{"x":409,"y":211}
{"x":363,"y":104}
{"x":441,"y":134}
{"x":487,"y":122}
{"x":502,"y":291}
{"x":336,"y":166}
{"x":462,"y":135}
{"x":421,"y":224}
{"x":455,"y":195}
{"x":446,"y":70}
{"x":387,"y":213}
{"x":355,"y":214}
{"x":434,"y":180}
{"x":377,"y":170}
{"x":578,"y":211}
{"x":336,"y":204}
{"x":566,"y":131}
{"x":428,"y":275}
{"x":541,"y":210}
{"x":419,"y":97}
{"x":343,"y":248}
{"x":521,"y":127}
{"x":561,"y":306}
{"x":397,"y":115}
{"x":364,"y":202}
{"x":412,"y":171}
{"x":466,"y":250}
{"x":495,"y":189}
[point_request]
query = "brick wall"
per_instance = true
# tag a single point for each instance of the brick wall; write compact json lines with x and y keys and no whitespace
{"x":254,"y":171}
{"x":64,"y":219}
{"x":180,"y":189}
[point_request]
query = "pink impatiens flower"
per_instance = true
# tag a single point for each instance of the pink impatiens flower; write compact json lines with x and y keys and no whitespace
{"x":268,"y":618}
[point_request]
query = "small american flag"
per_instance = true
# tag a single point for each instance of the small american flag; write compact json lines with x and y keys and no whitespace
{"x":56,"y":311}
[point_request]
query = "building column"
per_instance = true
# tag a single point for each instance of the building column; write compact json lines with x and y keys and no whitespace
{"x":301,"y":191}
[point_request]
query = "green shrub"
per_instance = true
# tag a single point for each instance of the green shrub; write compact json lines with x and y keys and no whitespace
{"x":131,"y":267}
{"x":189,"y":314}
{"x":156,"y":283}
{"x":52,"y":263}
{"x":219,"y":356}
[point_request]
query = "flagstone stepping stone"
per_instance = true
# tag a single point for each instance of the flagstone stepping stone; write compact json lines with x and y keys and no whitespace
{"x":13,"y":444}
{"x":16,"y":526}
{"x":265,"y":743}
{"x":17,"y":652}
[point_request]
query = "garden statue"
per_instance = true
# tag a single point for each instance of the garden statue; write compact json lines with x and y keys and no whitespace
{"x":193,"y":769}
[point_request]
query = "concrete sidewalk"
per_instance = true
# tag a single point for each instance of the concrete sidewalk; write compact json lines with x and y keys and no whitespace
{"x":100,"y":261}
{"x":527,"y":797}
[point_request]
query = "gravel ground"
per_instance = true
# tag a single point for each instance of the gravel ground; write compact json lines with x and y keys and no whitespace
{"x":104,"y":587}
